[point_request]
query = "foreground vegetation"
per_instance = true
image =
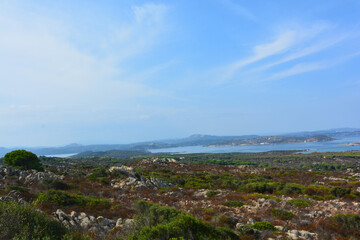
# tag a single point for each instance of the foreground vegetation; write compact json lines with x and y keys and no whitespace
{"x":198,"y":196}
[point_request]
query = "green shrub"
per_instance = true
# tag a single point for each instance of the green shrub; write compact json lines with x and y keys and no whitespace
{"x":23,"y":159}
{"x":348,"y":222}
{"x":262,"y":187}
{"x":255,"y":196}
{"x":234,"y":203}
{"x":16,"y":188}
{"x":211,"y":193}
{"x":100,"y":174}
{"x":339,"y":191}
{"x":293,"y":188}
{"x":246,"y":230}
{"x":300,"y":202}
{"x":55,"y":184}
{"x":318,"y":190}
{"x":162,"y":223}
{"x":263,"y":226}
{"x":281,"y":214}
{"x":24,"y":222}
{"x":199,"y":184}
{"x":63,"y":198}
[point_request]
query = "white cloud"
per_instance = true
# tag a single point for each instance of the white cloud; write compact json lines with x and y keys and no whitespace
{"x":46,"y":75}
{"x":297,"y":69}
{"x":282,"y":42}
{"x":320,"y":46}
{"x":238,"y":9}
{"x":292,"y":43}
{"x":312,"y":66}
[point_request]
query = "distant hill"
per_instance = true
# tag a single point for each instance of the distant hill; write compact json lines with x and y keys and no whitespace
{"x":193,"y":140}
{"x":274,"y":140}
{"x":336,"y":132}
{"x":112,"y":153}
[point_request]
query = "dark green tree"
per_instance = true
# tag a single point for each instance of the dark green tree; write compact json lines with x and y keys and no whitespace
{"x":23,"y":159}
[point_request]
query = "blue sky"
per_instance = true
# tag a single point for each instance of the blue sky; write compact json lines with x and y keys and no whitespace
{"x":127,"y":71}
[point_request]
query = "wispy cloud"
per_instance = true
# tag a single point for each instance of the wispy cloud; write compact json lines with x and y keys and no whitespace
{"x":312,"y":66}
{"x":298,"y":69}
{"x":289,"y":45}
{"x":57,"y":76}
{"x":262,"y":51}
{"x":303,"y":52}
{"x":238,"y":9}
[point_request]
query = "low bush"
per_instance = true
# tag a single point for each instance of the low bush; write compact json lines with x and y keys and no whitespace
{"x":24,"y":222}
{"x":234,"y":203}
{"x":55,"y":184}
{"x":162,"y":223}
{"x":211,"y":193}
{"x":16,"y":188}
{"x":263,"y":226}
{"x":100,"y":174}
{"x":299,"y":202}
{"x":317,"y":190}
{"x":348,"y":222}
{"x":246,"y":230}
{"x":262,"y":187}
{"x":293,"y":188}
{"x":63,"y":198}
{"x":339,"y":191}
{"x":255,"y":196}
{"x":281,"y":214}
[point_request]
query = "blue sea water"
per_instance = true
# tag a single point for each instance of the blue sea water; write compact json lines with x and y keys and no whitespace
{"x":338,"y":145}
{"x":65,"y":155}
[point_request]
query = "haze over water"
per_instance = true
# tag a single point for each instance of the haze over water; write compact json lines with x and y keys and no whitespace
{"x":338,"y":145}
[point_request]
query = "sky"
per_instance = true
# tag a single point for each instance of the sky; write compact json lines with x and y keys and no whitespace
{"x":127,"y":71}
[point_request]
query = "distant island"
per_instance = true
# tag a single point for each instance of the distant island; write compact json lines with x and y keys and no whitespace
{"x":353,"y":144}
{"x":273,"y":140}
{"x":142,"y":148}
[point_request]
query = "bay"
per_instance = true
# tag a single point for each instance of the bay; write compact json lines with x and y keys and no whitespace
{"x":338,"y":145}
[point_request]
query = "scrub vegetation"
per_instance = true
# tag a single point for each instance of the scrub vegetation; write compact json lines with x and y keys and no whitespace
{"x":195,"y":196}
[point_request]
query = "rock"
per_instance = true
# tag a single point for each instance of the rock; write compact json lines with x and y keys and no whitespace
{"x":61,"y":215}
{"x":251,"y":221}
{"x":158,"y":161}
{"x":280,"y":228}
{"x":293,"y":234}
{"x":103,"y":221}
{"x":82,"y":215}
{"x":73,"y":214}
{"x":238,"y":225}
{"x":304,"y":222}
{"x":129,"y":223}
{"x":23,"y":175}
{"x":72,"y":223}
{"x":134,"y":179}
{"x":85,"y":223}
{"x":296,"y":234}
{"x":119,"y":222}
{"x":94,"y":229}
{"x":125,"y":170}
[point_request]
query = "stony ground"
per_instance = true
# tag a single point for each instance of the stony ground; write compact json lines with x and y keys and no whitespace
{"x":298,"y":204}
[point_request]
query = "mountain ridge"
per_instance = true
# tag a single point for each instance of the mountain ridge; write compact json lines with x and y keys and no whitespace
{"x":192,"y":140}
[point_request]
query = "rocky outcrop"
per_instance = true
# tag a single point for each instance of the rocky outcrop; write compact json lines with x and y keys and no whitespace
{"x":301,"y":234}
{"x":27,"y":176}
{"x":99,"y":225}
{"x":130,"y":178}
{"x":13,"y":196}
{"x":158,"y":161}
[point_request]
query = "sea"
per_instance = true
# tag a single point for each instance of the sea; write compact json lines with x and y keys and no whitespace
{"x":338,"y":145}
